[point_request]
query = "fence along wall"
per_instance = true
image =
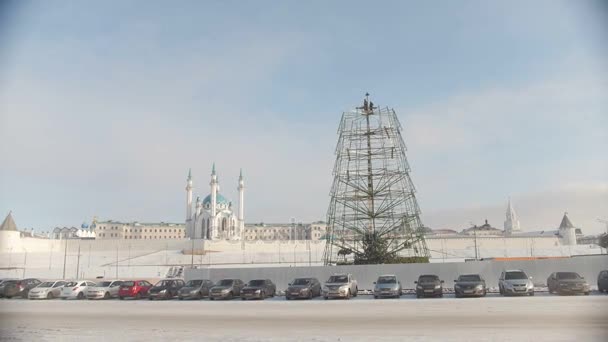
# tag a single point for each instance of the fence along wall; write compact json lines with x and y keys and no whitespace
{"x":587,"y":266}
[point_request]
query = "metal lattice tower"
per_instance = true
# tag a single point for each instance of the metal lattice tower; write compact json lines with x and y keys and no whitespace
{"x":372,"y":191}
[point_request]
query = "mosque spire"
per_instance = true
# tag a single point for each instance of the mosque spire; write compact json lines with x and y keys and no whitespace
{"x":213,"y":169}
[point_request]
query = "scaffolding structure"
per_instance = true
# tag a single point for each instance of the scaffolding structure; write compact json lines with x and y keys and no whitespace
{"x":372,"y":193}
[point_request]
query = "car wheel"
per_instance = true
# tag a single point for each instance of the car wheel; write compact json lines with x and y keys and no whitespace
{"x":80,"y":295}
{"x":138,"y":296}
{"x":458,"y":296}
{"x":230,"y":296}
{"x":211,"y":298}
{"x":325,"y":297}
{"x":121,"y":298}
{"x":49,"y":295}
{"x":375,"y":297}
{"x":310,"y":295}
{"x":348,"y":294}
{"x":356,"y":292}
{"x":287,"y":298}
{"x":586,"y":293}
{"x":106,"y":295}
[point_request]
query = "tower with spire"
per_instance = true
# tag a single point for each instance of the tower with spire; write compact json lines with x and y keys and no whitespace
{"x":511,"y":222}
{"x":567,"y":231}
{"x":213,"y":217}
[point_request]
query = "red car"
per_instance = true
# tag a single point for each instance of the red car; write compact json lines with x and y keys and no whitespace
{"x":134,"y":289}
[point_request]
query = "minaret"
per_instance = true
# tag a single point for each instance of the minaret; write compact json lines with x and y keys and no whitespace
{"x":241,"y":190}
{"x":511,"y":223}
{"x":189,"y":196}
{"x":213,"y":213}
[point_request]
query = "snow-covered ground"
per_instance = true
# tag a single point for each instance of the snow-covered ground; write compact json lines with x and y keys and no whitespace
{"x":540,"y":318}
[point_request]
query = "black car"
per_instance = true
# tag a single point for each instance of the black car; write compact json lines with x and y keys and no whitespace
{"x":602,"y":281}
{"x":18,"y":288}
{"x":429,"y":285}
{"x":303,"y":288}
{"x":165,"y":289}
{"x":470,"y":285}
{"x":258,"y":289}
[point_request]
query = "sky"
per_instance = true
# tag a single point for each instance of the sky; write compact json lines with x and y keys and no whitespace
{"x":104,"y":106}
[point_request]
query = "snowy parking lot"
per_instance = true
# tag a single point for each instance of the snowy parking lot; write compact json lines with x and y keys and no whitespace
{"x":543,"y":317}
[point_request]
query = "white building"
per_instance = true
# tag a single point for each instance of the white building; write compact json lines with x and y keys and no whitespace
{"x":73,"y":233}
{"x":512,"y":222}
{"x":112,"y":230}
{"x":214,"y":218}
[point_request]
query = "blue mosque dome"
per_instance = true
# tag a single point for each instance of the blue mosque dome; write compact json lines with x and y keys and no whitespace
{"x":220,"y":200}
{"x":84,"y":225}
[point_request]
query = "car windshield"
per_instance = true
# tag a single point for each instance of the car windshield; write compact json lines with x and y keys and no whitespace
{"x":164,"y":283}
{"x":428,"y":279}
{"x":46,"y":284}
{"x":193,"y":283}
{"x":470,"y":277}
{"x":515,"y":275}
{"x":225,"y":282}
{"x":258,"y":282}
{"x":567,"y":275}
{"x":338,"y":279}
{"x":104,"y":284}
{"x":128,"y":283}
{"x":70,"y":284}
{"x":387,"y":280}
{"x":301,"y":281}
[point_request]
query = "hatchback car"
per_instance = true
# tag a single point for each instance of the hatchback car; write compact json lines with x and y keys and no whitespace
{"x":470,"y":285}
{"x":47,"y":290}
{"x":104,"y":289}
{"x":76,"y":289}
{"x":515,"y":282}
{"x":303,"y":288}
{"x":18,"y":288}
{"x":226,"y":289}
{"x":195,"y":289}
{"x":602,"y":281}
{"x":387,"y":286}
{"x":258,"y":289}
{"x":567,"y":283}
{"x":165,"y":289}
{"x":134,"y":289}
{"x":429,"y":285}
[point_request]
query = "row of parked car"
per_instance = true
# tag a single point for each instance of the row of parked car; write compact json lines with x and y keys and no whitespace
{"x":511,"y":282}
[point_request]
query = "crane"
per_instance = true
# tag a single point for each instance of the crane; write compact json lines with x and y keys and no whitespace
{"x":604,"y":222}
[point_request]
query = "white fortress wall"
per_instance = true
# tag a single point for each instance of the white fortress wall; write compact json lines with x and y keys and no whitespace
{"x":45,"y":258}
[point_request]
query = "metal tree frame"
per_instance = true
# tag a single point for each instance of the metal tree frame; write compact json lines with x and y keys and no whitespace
{"x":372,"y":192}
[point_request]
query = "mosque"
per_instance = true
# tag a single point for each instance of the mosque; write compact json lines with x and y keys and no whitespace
{"x":213,"y":218}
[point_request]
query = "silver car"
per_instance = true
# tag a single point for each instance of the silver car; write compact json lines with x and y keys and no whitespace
{"x":340,"y":286}
{"x":104,"y":290}
{"x":47,"y":290}
{"x":515,"y":282}
{"x":387,"y":286}
{"x":195,"y":289}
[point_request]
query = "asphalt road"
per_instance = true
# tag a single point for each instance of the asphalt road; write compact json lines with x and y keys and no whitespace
{"x":540,"y":318}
